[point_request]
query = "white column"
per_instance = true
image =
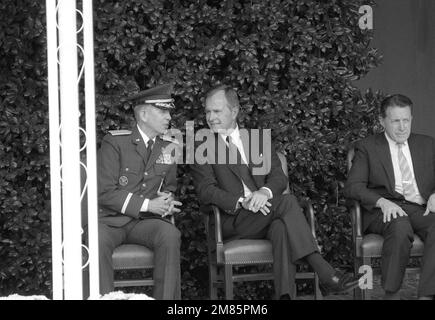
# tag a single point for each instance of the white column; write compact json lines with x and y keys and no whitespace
{"x":63,"y":85}
{"x":70,"y":150}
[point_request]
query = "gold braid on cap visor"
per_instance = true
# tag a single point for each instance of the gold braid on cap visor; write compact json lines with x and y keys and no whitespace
{"x":166,"y":105}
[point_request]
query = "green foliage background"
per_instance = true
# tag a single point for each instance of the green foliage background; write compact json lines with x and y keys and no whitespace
{"x":291,"y":61}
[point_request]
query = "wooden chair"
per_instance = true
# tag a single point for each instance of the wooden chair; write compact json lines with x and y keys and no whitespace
{"x":223,"y":256}
{"x":369,"y":246}
{"x":133,"y":257}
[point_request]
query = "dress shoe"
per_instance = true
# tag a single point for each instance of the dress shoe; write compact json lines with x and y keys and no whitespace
{"x":285,"y":297}
{"x":340,"y":282}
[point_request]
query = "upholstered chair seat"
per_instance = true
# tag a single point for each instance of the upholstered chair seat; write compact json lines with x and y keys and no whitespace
{"x":371,"y":245}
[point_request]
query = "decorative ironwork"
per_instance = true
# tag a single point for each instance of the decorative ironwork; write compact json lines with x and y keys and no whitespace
{"x":67,"y":80}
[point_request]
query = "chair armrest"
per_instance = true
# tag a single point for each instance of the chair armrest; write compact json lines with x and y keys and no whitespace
{"x":309,"y":213}
{"x":217,"y":242}
{"x":355,"y":210}
{"x":206,"y":213}
{"x":217,"y":227}
{"x":218,"y":234}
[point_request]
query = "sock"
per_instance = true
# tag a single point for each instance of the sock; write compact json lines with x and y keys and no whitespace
{"x":324,"y":270}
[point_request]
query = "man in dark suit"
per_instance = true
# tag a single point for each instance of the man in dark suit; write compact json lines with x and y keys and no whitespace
{"x":136,"y":185}
{"x":252,"y":199}
{"x":393,"y":176}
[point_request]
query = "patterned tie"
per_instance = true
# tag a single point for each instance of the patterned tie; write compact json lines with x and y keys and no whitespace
{"x":408,"y":188}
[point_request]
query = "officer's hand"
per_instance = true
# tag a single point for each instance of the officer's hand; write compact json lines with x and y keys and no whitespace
{"x":389,"y":209}
{"x":430,"y":207}
{"x":170,"y":200}
{"x":172,"y":209}
{"x":167,"y":195}
{"x":159,"y":205}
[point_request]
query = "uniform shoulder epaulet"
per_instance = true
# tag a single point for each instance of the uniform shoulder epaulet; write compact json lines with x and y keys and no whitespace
{"x":120,"y":132}
{"x":169,"y":139}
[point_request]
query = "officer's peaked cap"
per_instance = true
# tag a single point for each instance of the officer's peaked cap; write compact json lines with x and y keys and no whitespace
{"x":159,"y":96}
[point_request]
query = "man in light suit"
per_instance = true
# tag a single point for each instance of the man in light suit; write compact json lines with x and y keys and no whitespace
{"x":252,"y":201}
{"x":393,"y":176}
{"x":136,"y":185}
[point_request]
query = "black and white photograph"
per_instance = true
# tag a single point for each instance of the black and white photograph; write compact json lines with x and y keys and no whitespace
{"x":215,"y":157}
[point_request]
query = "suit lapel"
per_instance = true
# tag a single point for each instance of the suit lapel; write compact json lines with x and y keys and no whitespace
{"x":417,"y":160}
{"x":259,"y":179}
{"x":248,"y":141}
{"x":245,"y":137}
{"x":385,"y":157}
{"x":220,"y":147}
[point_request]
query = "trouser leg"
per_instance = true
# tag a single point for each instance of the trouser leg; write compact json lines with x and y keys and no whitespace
{"x":109,"y":238}
{"x":398,"y":237}
{"x":283,"y":269}
{"x":300,"y":238}
{"x":164,"y":239}
{"x":302,"y":243}
{"x":291,"y":236}
{"x":426,"y":285}
{"x":424,"y":227}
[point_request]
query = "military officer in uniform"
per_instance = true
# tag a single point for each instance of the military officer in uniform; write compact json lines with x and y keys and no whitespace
{"x":136,"y":185}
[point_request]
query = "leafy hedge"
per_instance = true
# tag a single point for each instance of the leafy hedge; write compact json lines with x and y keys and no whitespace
{"x":25,"y":248}
{"x":292,"y":63}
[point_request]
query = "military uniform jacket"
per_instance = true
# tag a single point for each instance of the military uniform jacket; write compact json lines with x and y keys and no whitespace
{"x":125,"y":180}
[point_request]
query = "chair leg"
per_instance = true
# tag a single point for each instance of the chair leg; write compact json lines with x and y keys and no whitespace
{"x":212,"y":281}
{"x":228,"y":280}
{"x":317,"y":293}
{"x":366,"y":294}
{"x":357,"y":292}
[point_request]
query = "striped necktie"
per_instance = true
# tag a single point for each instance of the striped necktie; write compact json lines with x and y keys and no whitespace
{"x":409,"y":191}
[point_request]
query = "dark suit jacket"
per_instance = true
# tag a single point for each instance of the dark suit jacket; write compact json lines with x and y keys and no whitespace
{"x":372,"y":175}
{"x":220,"y":184}
{"x":125,"y":179}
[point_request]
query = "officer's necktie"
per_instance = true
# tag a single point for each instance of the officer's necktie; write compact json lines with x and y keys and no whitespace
{"x":242,"y":168}
{"x":409,"y":191}
{"x":149,"y":150}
